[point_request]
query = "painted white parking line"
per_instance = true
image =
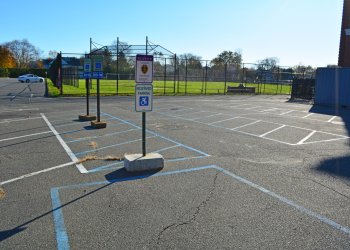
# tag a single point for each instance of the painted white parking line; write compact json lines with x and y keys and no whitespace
{"x":245,"y":125}
{"x":22,"y":136}
{"x":17,"y":110}
{"x":271,"y":131}
{"x":36,"y":173}
{"x":20,"y":119}
{"x":192,"y":113}
{"x":331,"y":120}
{"x":203,"y":117}
{"x":223,"y":120}
{"x":335,"y":139}
{"x":287,"y":112}
{"x":80,"y":166}
{"x":267,"y":110}
{"x":306,"y":137}
{"x":253,"y":107}
{"x":238,"y":106}
{"x":308,"y":115}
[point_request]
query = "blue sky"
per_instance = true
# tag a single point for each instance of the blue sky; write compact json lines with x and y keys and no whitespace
{"x":295,"y":31}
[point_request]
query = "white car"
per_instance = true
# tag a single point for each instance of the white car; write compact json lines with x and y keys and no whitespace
{"x":30,"y":78}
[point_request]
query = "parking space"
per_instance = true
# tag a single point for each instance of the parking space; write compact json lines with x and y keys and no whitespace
{"x":255,"y":123}
{"x":240,"y":172}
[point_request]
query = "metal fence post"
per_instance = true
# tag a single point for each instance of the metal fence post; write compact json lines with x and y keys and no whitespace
{"x":206,"y":77}
{"x":117,"y":65}
{"x":186,"y":76}
{"x":174,"y":74}
{"x":164,"y":76}
{"x":225,"y":74}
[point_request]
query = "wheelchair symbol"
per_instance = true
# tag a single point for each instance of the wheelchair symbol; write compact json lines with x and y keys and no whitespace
{"x":143,"y":101}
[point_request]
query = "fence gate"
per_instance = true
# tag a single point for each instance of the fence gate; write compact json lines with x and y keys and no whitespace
{"x":303,"y":89}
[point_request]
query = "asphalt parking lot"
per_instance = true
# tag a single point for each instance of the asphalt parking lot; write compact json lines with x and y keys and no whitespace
{"x":240,"y":172}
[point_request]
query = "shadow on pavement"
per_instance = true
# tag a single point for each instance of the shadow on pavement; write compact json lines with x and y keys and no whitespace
{"x":337,"y":166}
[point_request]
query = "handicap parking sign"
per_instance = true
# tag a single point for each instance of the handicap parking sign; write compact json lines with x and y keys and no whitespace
{"x":143,"y":97}
{"x":143,"y":100}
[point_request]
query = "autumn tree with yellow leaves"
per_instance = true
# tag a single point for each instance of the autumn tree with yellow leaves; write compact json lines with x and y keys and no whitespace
{"x":6,"y":58}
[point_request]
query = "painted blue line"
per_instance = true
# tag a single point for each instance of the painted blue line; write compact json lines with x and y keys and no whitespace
{"x":185,"y":146}
{"x":61,"y":232}
{"x":285,"y":200}
{"x":117,"y":165}
{"x":105,"y":167}
{"x":82,"y":129}
{"x":77,"y":123}
{"x":208,"y":124}
{"x":156,"y":134}
{"x":186,"y":158}
{"x":163,"y":149}
{"x":129,"y":123}
{"x":88,"y":184}
{"x":94,"y":137}
{"x":110,"y":146}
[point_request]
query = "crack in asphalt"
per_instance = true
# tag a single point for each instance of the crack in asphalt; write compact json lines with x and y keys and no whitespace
{"x":194,"y":216}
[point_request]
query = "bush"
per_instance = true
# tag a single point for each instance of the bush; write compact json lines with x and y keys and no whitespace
{"x":4,"y":72}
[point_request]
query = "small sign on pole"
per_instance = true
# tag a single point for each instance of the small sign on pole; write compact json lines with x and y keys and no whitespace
{"x":143,"y":97}
{"x":87,"y":68}
{"x":144,"y":69}
{"x":97,"y":63}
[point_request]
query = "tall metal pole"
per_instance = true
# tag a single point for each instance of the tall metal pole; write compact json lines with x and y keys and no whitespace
{"x":206,"y":76}
{"x":87,"y":95}
{"x":98,"y":100}
{"x":60,"y":73}
{"x":174,"y":73}
{"x":117,"y":65}
{"x":186,"y":76}
{"x":144,"y":119}
{"x":164,"y":75}
{"x":225,"y":78}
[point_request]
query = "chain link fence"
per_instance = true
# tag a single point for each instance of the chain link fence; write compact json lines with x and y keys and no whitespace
{"x":172,"y":75}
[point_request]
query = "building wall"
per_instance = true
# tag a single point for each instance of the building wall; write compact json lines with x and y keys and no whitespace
{"x":333,"y":86}
{"x":344,"y":48}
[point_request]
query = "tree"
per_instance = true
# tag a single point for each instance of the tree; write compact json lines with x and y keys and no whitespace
{"x":304,"y":71}
{"x":23,"y":52}
{"x":193,"y":61}
{"x":6,"y":58}
{"x":52,"y":54}
{"x":227,"y":57}
{"x":269,"y":63}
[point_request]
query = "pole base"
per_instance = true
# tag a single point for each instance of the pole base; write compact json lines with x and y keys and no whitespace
{"x":137,"y":162}
{"x":87,"y":117}
{"x":98,"y":125}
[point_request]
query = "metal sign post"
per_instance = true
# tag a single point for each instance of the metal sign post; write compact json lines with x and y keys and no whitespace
{"x":98,"y":74}
{"x":87,"y":76}
{"x":144,"y":91}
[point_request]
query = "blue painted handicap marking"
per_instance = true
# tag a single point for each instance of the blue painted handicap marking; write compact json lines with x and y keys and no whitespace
{"x":144,"y":101}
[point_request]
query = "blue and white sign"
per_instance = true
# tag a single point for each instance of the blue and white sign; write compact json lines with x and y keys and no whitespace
{"x":143,"y":97}
{"x":87,"y":75}
{"x":97,"y":75}
{"x":87,"y":68}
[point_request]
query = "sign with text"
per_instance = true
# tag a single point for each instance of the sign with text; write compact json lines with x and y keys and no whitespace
{"x":144,"y":69}
{"x":143,"y":97}
{"x":87,"y":68}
